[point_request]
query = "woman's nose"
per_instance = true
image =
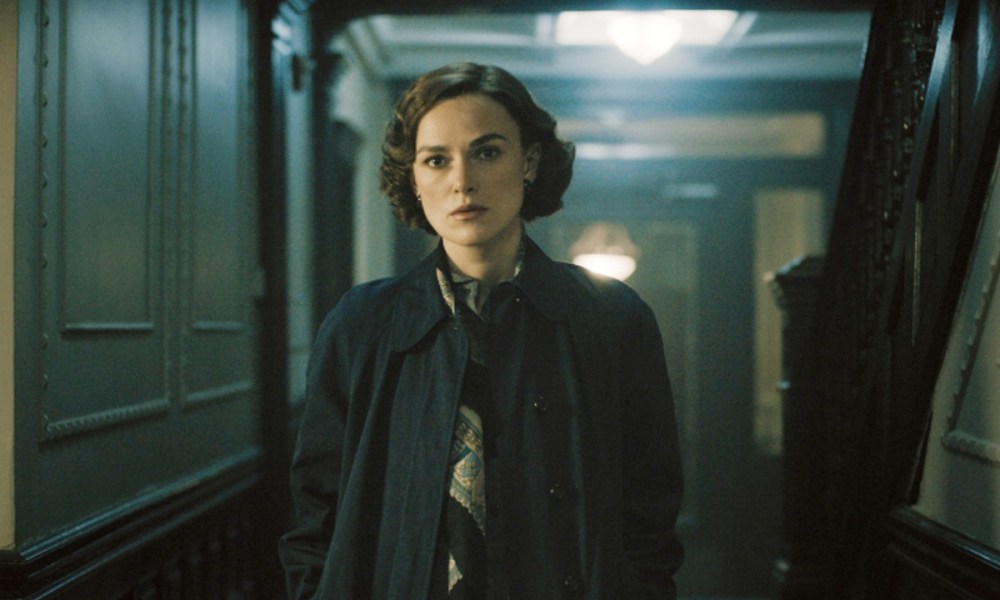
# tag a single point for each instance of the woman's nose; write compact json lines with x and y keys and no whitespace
{"x":463,"y":175}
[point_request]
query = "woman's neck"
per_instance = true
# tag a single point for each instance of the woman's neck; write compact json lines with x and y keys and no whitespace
{"x":488,"y":264}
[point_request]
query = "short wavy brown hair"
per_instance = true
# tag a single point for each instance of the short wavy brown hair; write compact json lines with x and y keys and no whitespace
{"x":555,"y":167}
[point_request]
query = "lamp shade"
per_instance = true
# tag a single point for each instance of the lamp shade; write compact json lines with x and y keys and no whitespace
{"x":607,"y":249}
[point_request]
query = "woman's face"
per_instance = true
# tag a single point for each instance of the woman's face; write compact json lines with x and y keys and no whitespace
{"x":469,"y":172}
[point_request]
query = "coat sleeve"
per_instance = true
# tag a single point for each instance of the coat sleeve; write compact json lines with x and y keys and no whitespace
{"x":315,"y":469}
{"x":651,"y":462}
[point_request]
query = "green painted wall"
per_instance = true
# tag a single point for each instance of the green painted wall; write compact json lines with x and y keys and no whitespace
{"x":136,"y":245}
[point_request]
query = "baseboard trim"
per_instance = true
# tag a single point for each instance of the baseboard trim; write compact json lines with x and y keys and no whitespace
{"x":48,"y":567}
{"x":961,"y":565}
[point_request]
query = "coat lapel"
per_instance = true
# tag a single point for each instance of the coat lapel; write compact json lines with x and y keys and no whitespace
{"x":419,"y":307}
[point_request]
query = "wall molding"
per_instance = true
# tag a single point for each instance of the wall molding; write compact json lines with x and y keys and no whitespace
{"x":973,"y":446}
{"x":107,"y":418}
{"x":974,"y":310}
{"x":230,"y":391}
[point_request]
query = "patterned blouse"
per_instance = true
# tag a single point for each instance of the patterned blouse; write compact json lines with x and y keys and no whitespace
{"x":462,"y":562}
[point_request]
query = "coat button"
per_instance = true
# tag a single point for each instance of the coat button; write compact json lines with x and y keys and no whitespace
{"x":571,"y":583}
{"x":557,"y":492}
{"x":542,"y":404}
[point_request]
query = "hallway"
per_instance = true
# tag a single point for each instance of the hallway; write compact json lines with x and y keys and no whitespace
{"x":808,"y":192}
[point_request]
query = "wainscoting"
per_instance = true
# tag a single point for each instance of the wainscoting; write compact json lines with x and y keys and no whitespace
{"x":197,"y":538}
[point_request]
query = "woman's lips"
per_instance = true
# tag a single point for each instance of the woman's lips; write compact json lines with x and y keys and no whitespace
{"x":465,"y":213}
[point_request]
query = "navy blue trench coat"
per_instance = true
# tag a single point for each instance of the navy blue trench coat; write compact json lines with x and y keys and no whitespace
{"x":591,"y":483}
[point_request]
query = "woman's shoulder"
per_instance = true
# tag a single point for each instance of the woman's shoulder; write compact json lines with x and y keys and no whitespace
{"x":363,"y":309}
{"x":605,"y":303}
{"x":609,"y":309}
{"x":602,"y":289}
{"x":370,"y":296}
{"x":570,"y":279}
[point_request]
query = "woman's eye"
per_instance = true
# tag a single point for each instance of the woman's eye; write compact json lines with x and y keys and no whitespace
{"x":488,"y":152}
{"x":434,"y":161}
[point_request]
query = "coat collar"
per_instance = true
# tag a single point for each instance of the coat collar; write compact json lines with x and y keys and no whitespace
{"x":420,"y":307}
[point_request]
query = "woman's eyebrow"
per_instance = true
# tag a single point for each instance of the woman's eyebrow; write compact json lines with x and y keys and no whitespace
{"x":489,"y":137}
{"x":479,"y":141}
{"x":430,"y":149}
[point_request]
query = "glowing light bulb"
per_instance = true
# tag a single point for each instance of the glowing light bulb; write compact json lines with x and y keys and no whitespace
{"x":619,"y":266}
{"x":606,"y":248}
{"x":645,"y":37}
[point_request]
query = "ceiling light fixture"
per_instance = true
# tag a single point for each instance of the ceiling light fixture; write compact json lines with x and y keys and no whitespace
{"x":645,"y":37}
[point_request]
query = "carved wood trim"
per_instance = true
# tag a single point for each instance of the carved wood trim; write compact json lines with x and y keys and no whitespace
{"x":867,"y":281}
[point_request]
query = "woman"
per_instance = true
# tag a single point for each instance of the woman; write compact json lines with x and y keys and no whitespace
{"x":492,"y":424}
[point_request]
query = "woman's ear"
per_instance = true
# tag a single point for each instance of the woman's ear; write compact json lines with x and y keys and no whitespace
{"x":532,"y":157}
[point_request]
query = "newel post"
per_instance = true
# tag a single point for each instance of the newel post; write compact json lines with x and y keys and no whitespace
{"x":799,"y":571}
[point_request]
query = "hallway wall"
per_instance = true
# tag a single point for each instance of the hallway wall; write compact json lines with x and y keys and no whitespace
{"x":960,"y":485}
{"x":136,"y":439}
{"x":363,"y":102}
{"x":909,"y":416}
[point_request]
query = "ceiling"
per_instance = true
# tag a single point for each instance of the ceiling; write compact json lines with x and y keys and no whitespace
{"x":759,"y":45}
{"x":777,"y":85}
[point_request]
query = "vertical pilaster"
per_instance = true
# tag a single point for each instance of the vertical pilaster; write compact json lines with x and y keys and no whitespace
{"x":800,"y":570}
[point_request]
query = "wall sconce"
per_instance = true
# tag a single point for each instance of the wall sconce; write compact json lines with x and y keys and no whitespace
{"x":607,"y":249}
